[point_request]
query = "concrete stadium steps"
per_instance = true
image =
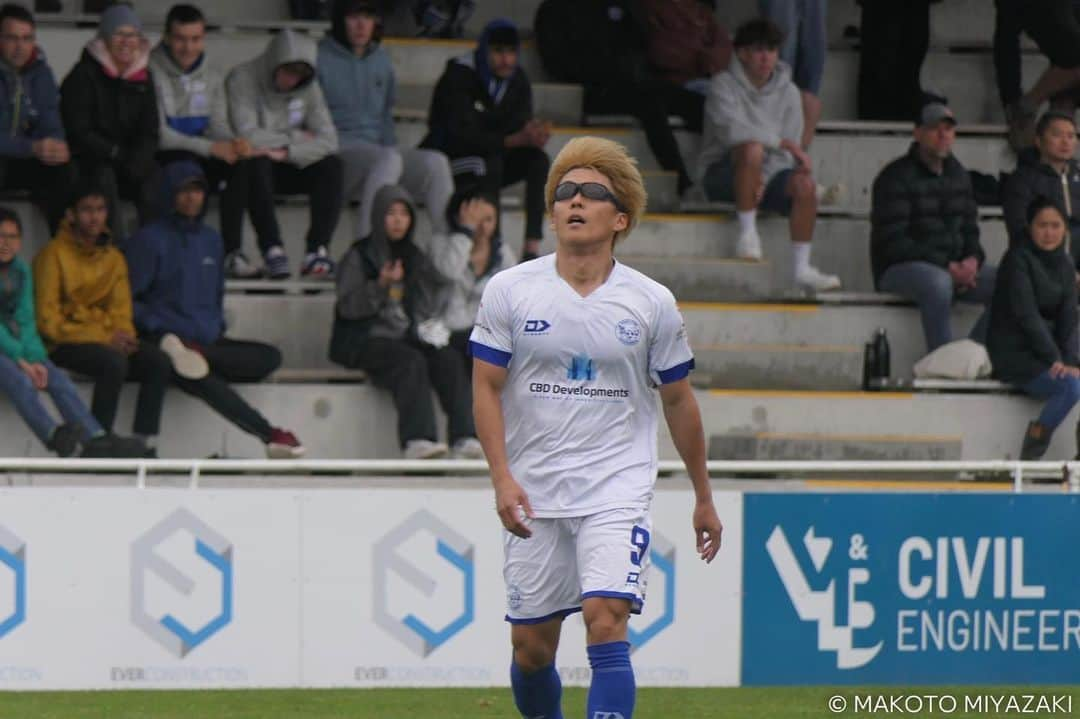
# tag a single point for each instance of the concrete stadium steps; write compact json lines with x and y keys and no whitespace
{"x":557,"y":103}
{"x":708,"y":279}
{"x":768,"y":446}
{"x":298,"y":325}
{"x":759,"y":365}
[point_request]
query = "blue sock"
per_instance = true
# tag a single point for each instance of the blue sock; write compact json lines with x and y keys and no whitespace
{"x":611,"y":694}
{"x":537,"y":695}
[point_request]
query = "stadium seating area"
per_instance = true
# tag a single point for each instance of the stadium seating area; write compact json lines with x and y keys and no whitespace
{"x":779,"y":376}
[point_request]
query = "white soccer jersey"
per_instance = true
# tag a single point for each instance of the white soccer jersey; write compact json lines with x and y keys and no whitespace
{"x":579,"y":403}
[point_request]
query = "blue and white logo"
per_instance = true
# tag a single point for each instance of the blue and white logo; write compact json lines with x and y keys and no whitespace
{"x":932,"y":589}
{"x":13,"y":559}
{"x":213,"y":552}
{"x":662,"y":571}
{"x":581,"y":369}
{"x":427,"y":599}
{"x":537,"y":327}
{"x":628,"y":331}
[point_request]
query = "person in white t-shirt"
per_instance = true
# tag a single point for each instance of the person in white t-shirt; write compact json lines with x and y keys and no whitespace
{"x":569,"y":348}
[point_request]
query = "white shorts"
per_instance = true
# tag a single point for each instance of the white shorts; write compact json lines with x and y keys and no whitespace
{"x":568,"y":560}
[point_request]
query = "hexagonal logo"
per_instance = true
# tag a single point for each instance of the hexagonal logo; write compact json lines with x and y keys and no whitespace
{"x":662,"y":558}
{"x":13,"y":557}
{"x":436,"y":550}
{"x":167,"y":630}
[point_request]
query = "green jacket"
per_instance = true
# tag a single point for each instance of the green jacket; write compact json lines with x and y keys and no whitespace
{"x":19,"y":338}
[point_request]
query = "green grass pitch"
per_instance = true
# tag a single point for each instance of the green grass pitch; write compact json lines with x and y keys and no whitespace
{"x":496,"y":703}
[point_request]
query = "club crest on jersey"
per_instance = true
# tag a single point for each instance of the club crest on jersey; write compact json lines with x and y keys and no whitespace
{"x":628,"y":331}
{"x":537,"y":327}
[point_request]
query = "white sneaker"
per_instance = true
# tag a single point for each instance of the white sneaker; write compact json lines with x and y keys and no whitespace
{"x":186,"y":362}
{"x":468,"y":448}
{"x":425,"y":449}
{"x":814,"y":280}
{"x":833,"y":194}
{"x":748,"y":246}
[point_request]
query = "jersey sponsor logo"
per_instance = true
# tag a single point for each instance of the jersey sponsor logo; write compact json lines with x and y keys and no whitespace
{"x":628,"y":332}
{"x":537,"y":327}
{"x":581,"y":369}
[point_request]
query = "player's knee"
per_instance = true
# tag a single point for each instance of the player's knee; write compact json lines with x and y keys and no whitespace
{"x":803,"y":186}
{"x":532,"y":654}
{"x":606,"y":622}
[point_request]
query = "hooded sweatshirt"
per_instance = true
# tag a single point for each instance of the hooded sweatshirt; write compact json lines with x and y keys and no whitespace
{"x":359,"y":90}
{"x":736,"y":112}
{"x":82,"y":293}
{"x":111,"y":117}
{"x":176,"y":269}
{"x":471,"y":110}
{"x":1034,"y":313}
{"x":192,"y":107}
{"x":19,"y":338}
{"x":366,"y":309}
{"x":29,"y":106}
{"x":298,"y":120}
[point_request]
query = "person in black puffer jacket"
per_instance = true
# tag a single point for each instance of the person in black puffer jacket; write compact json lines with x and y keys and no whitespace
{"x":924,"y":240}
{"x":1048,"y":169}
{"x":1033,"y":333}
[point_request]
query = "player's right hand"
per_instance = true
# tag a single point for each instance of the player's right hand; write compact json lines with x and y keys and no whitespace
{"x":513,"y":507}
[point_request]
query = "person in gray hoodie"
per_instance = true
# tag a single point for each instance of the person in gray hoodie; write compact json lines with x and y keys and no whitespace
{"x":751,"y":149}
{"x":357,"y":78}
{"x":276,"y":104}
{"x":194,"y":125}
{"x":386,"y":322}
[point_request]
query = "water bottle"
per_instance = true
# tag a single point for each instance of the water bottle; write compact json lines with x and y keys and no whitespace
{"x":869,"y":365}
{"x":882,"y":367}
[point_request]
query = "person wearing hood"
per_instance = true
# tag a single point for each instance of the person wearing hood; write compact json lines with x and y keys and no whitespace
{"x":470,"y":256}
{"x":276,"y":104}
{"x":387,"y":323}
{"x":481,"y":117}
{"x":924,"y":230}
{"x":357,"y":78}
{"x":109,"y":109}
{"x":751,"y":151}
{"x":194,"y":125}
{"x":1033,"y":323}
{"x":83,"y":301}
{"x":34,"y":155}
{"x":26,"y":370}
{"x":177,"y":275}
{"x":1047,"y":170}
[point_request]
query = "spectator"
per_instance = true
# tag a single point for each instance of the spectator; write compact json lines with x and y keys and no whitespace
{"x":442,"y":18}
{"x":34,"y":155}
{"x":481,"y":117}
{"x":84,"y":312}
{"x":25,"y":369}
{"x":177,"y":284}
{"x":751,"y":153}
{"x":357,"y":78}
{"x":195,"y":126}
{"x":605,"y":47}
{"x":803,"y":49}
{"x":685,"y":44}
{"x":385,"y":323}
{"x":1032,"y":339}
{"x":469,"y":257}
{"x":276,"y":104}
{"x":1048,"y":170}
{"x":925,"y":230}
{"x":110,"y":112}
{"x":894,"y":38}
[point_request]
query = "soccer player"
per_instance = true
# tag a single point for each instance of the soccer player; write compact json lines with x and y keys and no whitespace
{"x":570,"y":347}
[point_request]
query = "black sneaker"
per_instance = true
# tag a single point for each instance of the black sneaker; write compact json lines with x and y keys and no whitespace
{"x":65,"y":440}
{"x":114,"y":447}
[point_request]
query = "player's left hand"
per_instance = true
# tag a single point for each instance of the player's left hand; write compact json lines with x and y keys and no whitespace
{"x":707,"y":529}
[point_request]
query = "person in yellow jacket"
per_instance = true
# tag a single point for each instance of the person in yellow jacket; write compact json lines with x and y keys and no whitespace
{"x":84,"y":314}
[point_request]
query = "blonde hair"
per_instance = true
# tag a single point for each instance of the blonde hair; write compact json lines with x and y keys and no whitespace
{"x":612,"y":161}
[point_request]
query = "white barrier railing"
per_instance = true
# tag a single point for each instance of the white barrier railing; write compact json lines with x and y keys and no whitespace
{"x":1069,"y":472}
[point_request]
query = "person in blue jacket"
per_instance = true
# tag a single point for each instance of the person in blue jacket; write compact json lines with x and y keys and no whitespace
{"x":34,"y":154}
{"x":177,"y":275}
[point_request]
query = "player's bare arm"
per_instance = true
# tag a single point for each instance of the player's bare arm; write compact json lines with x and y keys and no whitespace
{"x":684,"y":421}
{"x":510,"y":498}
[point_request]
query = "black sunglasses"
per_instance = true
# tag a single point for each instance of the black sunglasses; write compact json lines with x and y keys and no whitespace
{"x":589,"y":190}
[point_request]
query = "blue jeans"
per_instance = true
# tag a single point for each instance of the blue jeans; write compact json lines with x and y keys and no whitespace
{"x":931,"y":288}
{"x":22,"y":393}
{"x":803,"y":23}
{"x":1061,"y":395}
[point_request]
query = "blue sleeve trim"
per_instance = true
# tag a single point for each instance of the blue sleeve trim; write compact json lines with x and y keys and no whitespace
{"x":489,"y":354}
{"x":676,"y":373}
